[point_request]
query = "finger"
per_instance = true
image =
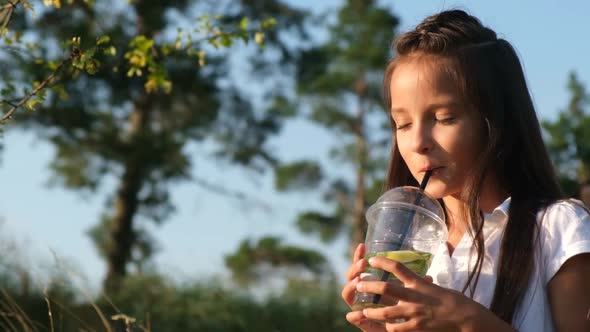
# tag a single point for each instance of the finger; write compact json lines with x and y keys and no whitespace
{"x":408,"y":325}
{"x":356,"y":269}
{"x":388,"y":300}
{"x":386,"y":297}
{"x":405,"y":275}
{"x":359,"y":252}
{"x":429,"y":279}
{"x":349,"y":291}
{"x":357,"y":319}
{"x":395,"y":291}
{"x":385,"y":314}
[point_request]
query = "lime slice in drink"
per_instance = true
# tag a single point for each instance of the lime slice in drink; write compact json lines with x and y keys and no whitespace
{"x":414,"y":260}
{"x":402,"y":256}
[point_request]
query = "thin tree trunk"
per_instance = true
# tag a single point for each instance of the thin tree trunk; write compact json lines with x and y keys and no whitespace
{"x":121,"y":238}
{"x":359,"y":226}
{"x":122,"y":235}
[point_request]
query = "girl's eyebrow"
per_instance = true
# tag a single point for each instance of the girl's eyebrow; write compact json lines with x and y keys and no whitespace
{"x":398,"y":110}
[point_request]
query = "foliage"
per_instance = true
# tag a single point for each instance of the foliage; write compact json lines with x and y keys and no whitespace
{"x":153,"y":303}
{"x":13,"y":43}
{"x":568,"y":139}
{"x":340,"y":80}
{"x":134,"y":90}
{"x":248,"y":262}
{"x":142,"y":55}
{"x":57,"y":301}
{"x":298,"y":175}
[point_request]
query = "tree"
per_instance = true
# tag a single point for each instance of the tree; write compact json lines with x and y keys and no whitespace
{"x":340,"y":80}
{"x":155,"y":92}
{"x":568,"y":139}
{"x":252,"y":262}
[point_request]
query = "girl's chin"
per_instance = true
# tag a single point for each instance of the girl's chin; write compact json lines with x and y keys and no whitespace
{"x":434,"y":194}
{"x":436,"y":191}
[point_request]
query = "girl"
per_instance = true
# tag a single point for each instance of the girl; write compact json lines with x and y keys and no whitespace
{"x":518,"y":254}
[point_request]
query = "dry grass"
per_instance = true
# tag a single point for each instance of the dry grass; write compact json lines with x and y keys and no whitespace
{"x":14,"y":319}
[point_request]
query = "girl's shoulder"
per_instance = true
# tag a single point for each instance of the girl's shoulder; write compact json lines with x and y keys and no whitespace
{"x":563,"y":212}
{"x":564,"y":222}
{"x":564,"y":232}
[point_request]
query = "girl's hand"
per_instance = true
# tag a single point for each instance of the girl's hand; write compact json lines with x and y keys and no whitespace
{"x":357,"y":318}
{"x":423,"y":305}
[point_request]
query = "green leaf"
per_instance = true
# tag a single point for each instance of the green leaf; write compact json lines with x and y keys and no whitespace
{"x":244,"y":23}
{"x":110,"y":51}
{"x":214,"y":43}
{"x":91,"y":66}
{"x":103,"y":40}
{"x":268,"y":23}
{"x":259,"y":38}
{"x":226,"y":41}
{"x":32,"y":103}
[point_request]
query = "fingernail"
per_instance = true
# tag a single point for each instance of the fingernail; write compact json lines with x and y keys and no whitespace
{"x":360,"y":286}
{"x":371,"y":260}
{"x":365,"y":312}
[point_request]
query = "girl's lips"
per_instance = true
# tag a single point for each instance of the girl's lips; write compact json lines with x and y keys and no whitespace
{"x":436,"y":171}
{"x":433,"y":169}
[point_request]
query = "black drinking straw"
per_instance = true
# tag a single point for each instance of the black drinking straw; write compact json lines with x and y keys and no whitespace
{"x":407,"y":226}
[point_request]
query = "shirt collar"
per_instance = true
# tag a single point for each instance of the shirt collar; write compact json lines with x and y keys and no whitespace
{"x":500,"y":212}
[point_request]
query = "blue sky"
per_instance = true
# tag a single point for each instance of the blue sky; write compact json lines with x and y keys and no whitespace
{"x":550,"y":37}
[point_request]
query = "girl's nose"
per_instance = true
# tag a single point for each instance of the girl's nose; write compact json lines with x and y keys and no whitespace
{"x":423,"y":142}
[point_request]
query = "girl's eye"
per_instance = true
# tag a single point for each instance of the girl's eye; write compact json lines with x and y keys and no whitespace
{"x":403,"y":126}
{"x":446,"y":121}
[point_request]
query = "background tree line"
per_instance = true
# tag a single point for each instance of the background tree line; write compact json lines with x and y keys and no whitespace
{"x":123,"y":90}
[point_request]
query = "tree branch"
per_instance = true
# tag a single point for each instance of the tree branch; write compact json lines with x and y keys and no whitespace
{"x":6,"y":13}
{"x":211,"y":36}
{"x":31,"y":94}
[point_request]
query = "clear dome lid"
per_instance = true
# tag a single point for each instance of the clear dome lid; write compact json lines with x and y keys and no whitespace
{"x":407,"y":196}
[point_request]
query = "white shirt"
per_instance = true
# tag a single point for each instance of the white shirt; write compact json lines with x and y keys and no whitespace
{"x":564,"y":233}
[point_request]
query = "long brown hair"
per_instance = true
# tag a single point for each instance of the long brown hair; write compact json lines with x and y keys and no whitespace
{"x":487,"y":71}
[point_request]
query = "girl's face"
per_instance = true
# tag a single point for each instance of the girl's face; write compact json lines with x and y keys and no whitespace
{"x":434,"y":128}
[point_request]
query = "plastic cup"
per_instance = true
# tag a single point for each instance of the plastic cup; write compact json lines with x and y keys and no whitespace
{"x":406,"y":225}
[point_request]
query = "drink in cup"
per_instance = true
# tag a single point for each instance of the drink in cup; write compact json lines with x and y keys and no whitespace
{"x":405,"y":225}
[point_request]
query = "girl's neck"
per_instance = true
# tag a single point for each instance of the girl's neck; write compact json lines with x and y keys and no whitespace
{"x":455,"y":215}
{"x":491,"y":197}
